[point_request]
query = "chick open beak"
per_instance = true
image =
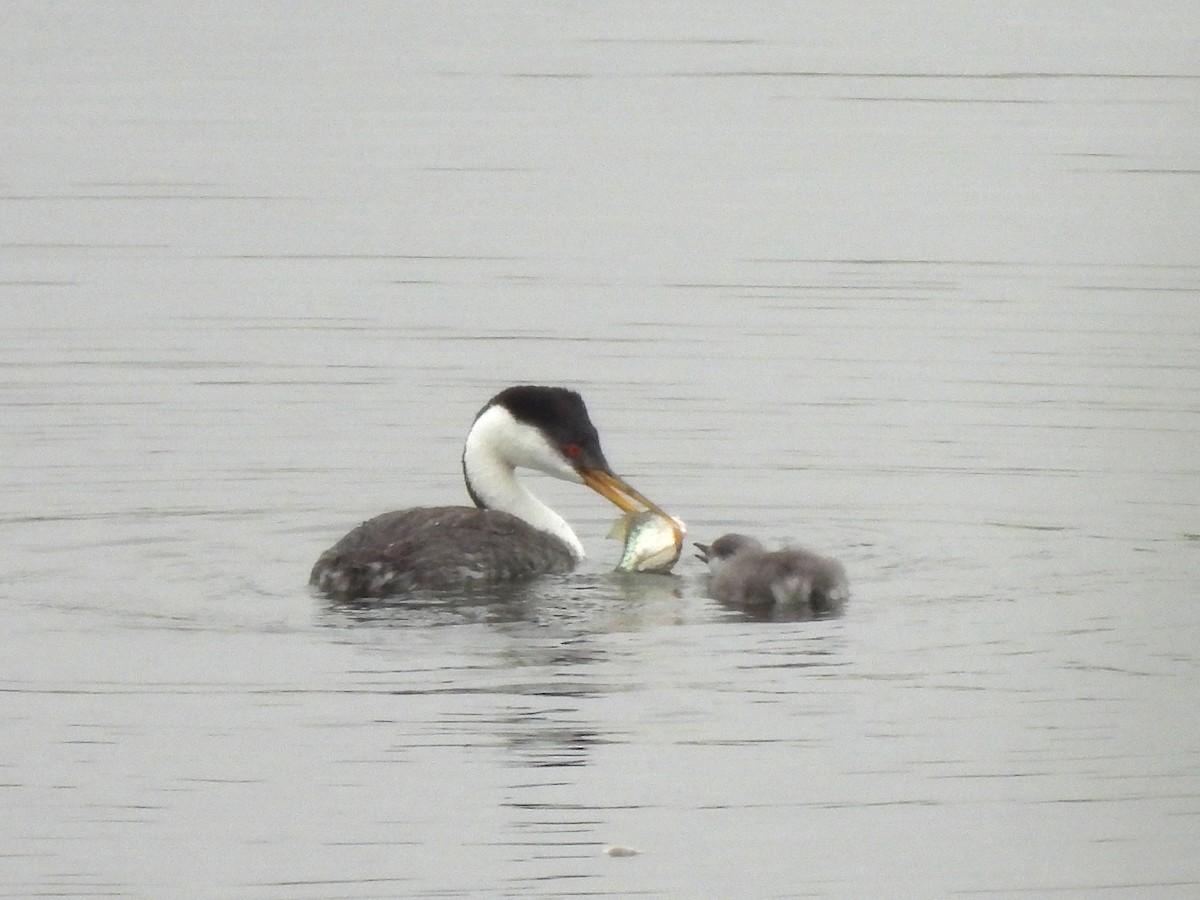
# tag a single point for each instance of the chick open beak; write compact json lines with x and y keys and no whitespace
{"x":618,"y":492}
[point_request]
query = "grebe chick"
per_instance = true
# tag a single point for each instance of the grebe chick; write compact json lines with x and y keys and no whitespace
{"x":793,"y":581}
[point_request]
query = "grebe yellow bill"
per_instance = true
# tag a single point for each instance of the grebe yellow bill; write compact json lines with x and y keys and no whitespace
{"x":792,"y":581}
{"x":509,"y":535}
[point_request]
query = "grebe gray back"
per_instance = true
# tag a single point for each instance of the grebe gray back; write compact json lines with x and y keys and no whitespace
{"x":509,"y":534}
{"x":793,"y":581}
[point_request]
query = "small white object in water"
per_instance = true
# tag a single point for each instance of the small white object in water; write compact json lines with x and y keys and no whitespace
{"x":616,"y":850}
{"x":652,"y":542}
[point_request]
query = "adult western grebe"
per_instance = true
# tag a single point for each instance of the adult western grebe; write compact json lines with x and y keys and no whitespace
{"x":509,"y":534}
{"x":792,"y":581}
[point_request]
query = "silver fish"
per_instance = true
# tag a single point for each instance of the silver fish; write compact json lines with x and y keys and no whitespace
{"x":652,"y":542}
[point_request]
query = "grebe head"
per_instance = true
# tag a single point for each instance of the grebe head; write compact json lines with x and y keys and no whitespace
{"x":548,"y":429}
{"x":726,"y":547}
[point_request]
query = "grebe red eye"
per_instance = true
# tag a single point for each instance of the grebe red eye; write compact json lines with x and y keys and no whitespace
{"x":572,"y":450}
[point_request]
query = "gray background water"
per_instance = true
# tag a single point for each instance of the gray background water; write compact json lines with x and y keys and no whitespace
{"x":914,"y":283}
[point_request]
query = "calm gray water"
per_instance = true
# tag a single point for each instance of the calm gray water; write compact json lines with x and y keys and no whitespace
{"x":916,"y":284}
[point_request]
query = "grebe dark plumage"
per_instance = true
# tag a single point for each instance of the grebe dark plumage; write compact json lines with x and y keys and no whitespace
{"x":509,"y":535}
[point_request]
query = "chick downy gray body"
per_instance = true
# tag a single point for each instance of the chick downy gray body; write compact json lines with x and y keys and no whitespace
{"x":792,"y":581}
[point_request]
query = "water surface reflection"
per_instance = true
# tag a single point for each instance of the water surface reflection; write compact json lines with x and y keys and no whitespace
{"x":912,"y":286}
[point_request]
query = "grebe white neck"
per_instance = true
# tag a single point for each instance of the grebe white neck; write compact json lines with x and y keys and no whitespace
{"x":496,"y":445}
